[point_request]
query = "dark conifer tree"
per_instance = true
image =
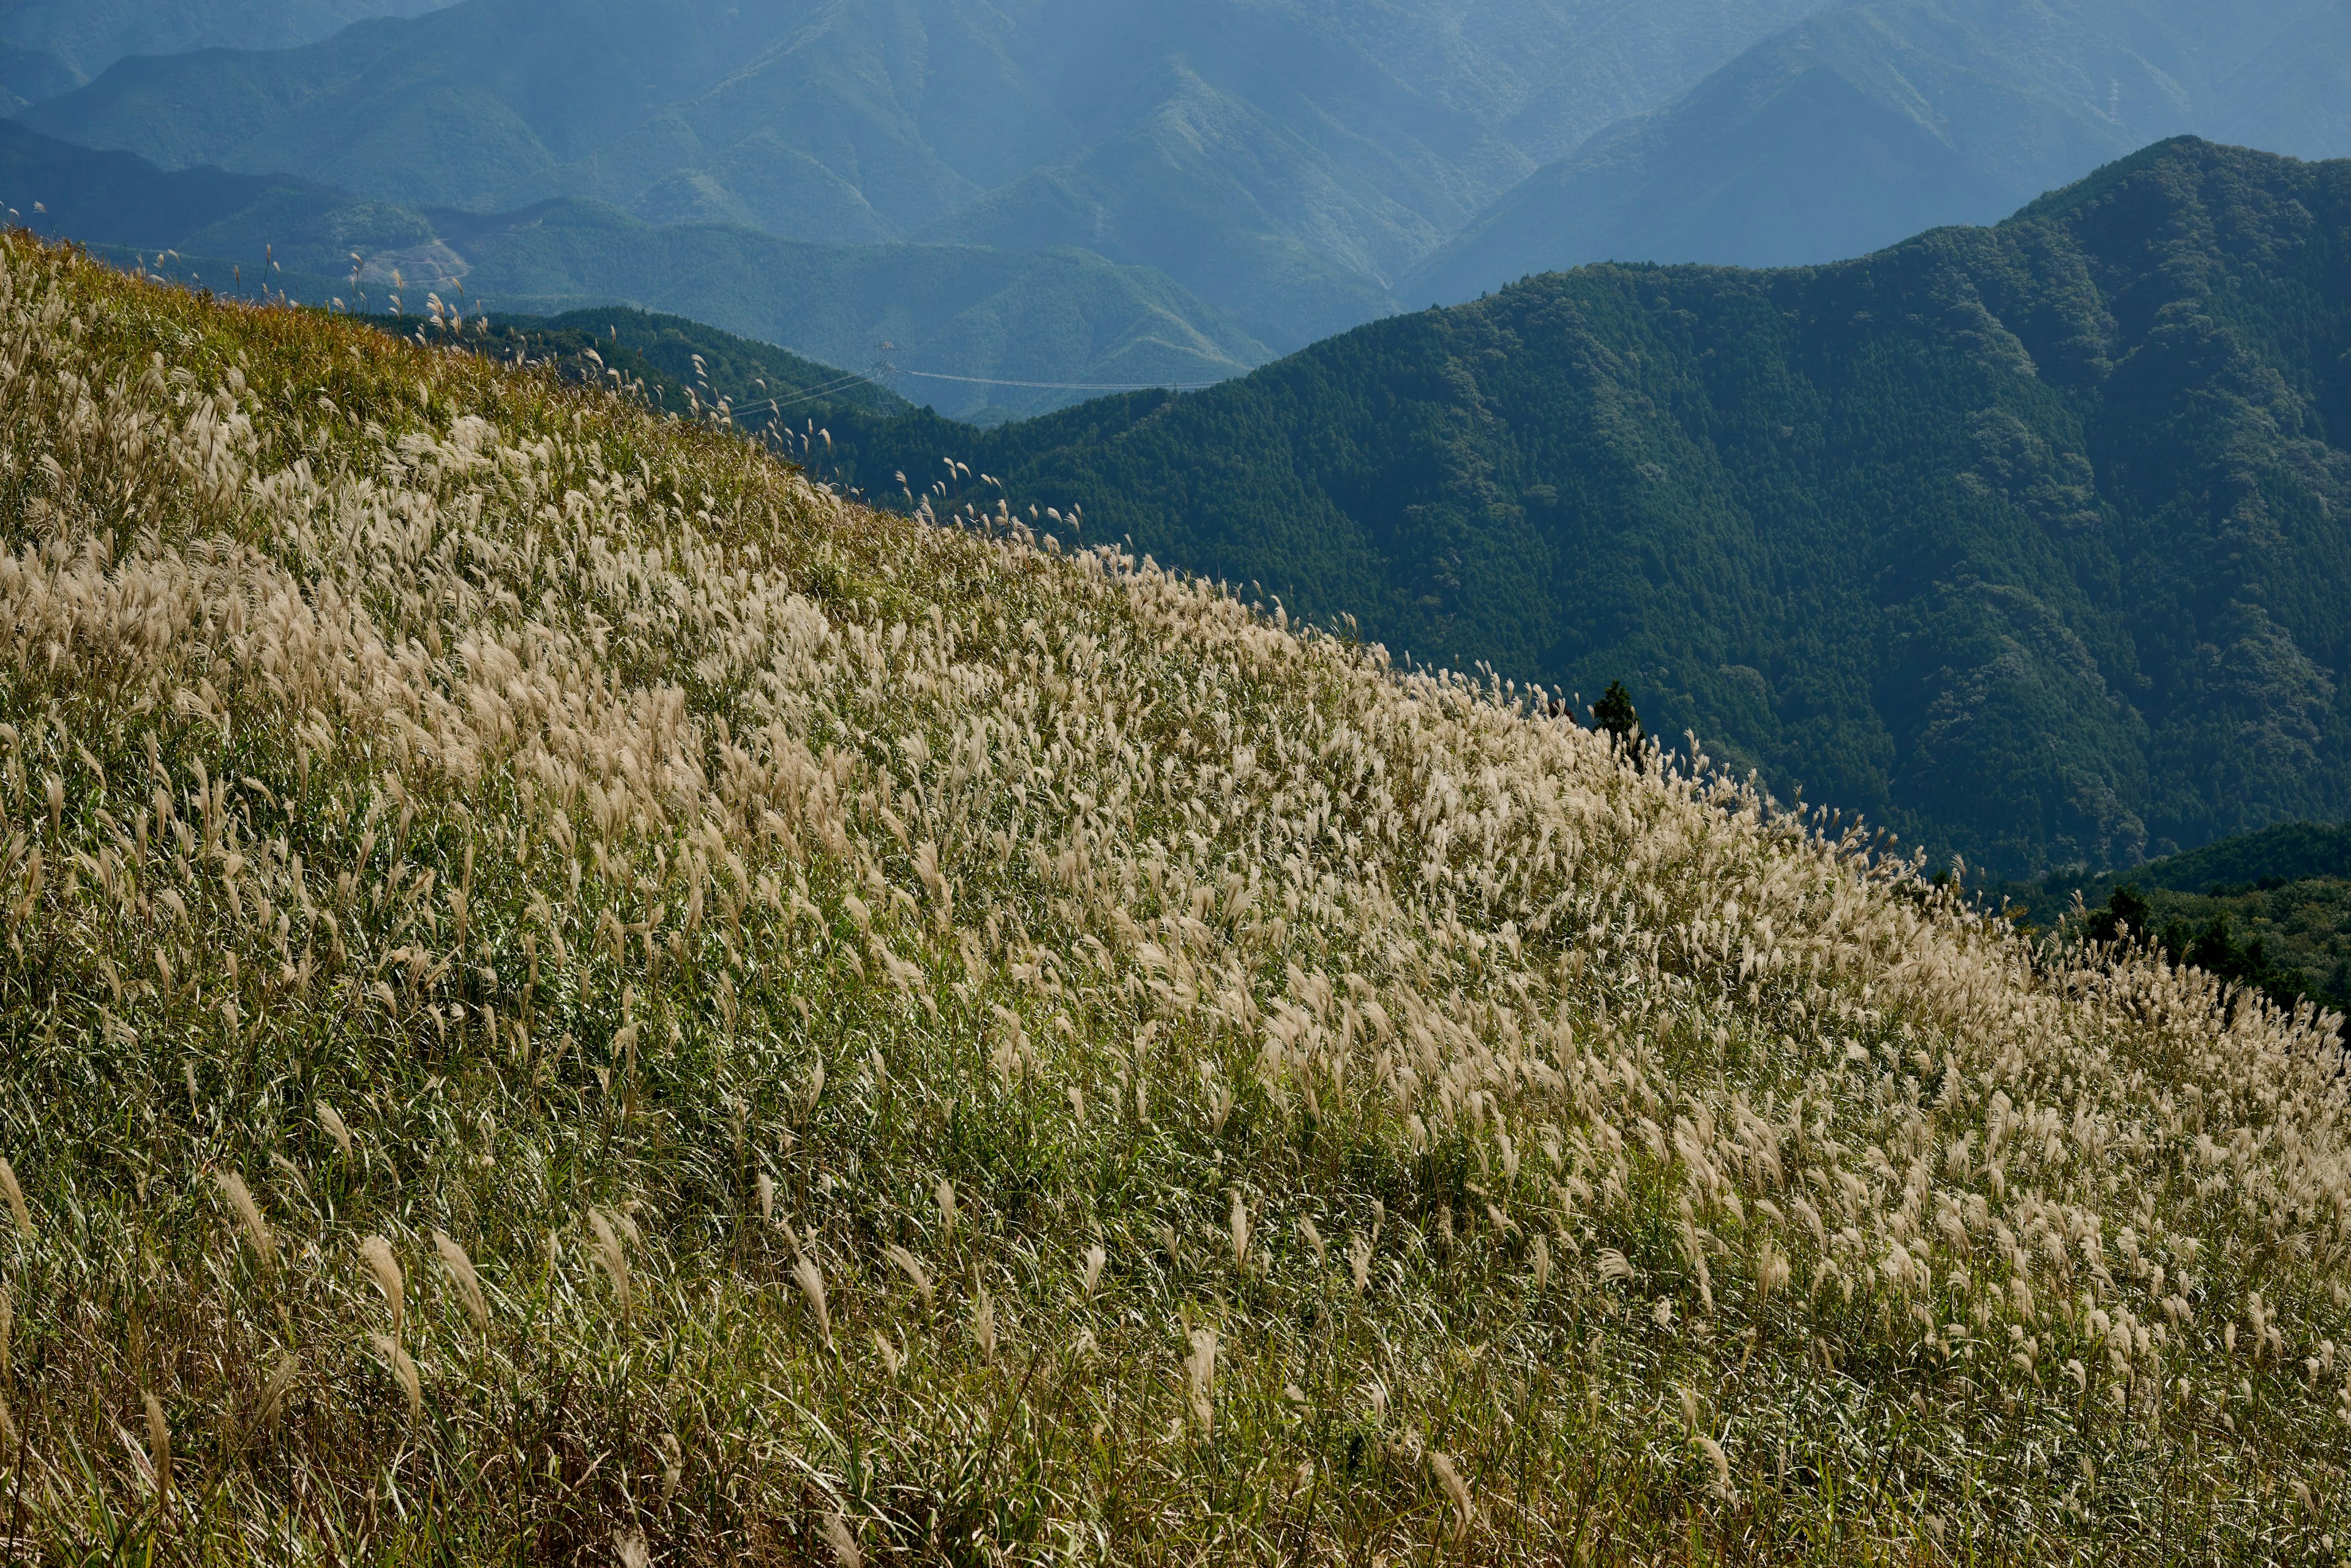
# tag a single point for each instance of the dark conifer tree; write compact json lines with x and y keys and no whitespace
{"x":1616,"y":714}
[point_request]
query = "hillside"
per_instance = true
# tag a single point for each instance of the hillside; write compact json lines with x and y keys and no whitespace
{"x":2029,"y":542}
{"x":669,"y":364}
{"x":1868,"y":121}
{"x":1062,"y":318}
{"x":2273,"y":908}
{"x":1284,"y":161}
{"x":568,"y":993}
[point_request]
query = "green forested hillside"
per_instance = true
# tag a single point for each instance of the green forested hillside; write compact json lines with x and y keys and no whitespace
{"x":2271,"y":909}
{"x":2032,"y":542}
{"x":669,"y":363}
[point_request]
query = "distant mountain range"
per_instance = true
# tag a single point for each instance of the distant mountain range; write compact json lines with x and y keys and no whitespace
{"x":1062,"y":318}
{"x":1302,"y":167}
{"x":51,"y":47}
{"x":2032,"y":542}
{"x":1287,"y":161}
{"x":1867,"y":122}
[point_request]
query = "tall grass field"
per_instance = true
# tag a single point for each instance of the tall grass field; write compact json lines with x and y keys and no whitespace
{"x":568,"y":997}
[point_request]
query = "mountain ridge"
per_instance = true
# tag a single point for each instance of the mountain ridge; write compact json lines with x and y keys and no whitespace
{"x":1867,"y":121}
{"x":1265,"y":153}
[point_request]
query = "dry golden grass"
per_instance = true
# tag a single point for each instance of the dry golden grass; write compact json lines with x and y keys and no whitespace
{"x":567,"y":995}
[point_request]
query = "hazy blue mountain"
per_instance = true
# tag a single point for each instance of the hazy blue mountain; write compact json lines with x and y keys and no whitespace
{"x":1047,"y":316}
{"x":50,"y":47}
{"x":1286,"y":159}
{"x":1050,"y":317}
{"x":1872,"y":121}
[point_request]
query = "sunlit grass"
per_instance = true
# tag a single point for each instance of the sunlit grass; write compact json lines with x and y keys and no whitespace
{"x":569,"y":995}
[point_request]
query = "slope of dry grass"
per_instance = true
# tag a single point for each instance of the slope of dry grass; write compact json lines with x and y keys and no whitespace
{"x":568,"y":997}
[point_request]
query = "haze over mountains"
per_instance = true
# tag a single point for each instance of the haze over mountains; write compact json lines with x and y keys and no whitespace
{"x":50,"y":47}
{"x":1868,"y":122}
{"x":1052,"y":317}
{"x":1282,"y":160}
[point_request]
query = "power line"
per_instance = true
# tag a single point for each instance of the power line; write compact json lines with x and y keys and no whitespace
{"x":776,"y":405}
{"x":1067,"y":386}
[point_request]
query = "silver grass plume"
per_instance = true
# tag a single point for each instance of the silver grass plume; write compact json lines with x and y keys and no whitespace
{"x":15,"y":1196}
{"x":384,"y":1269}
{"x":461,"y":1272}
{"x":811,"y":1283}
{"x":249,"y":1215}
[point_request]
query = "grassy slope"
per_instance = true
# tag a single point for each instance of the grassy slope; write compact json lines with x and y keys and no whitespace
{"x":932,"y":1047}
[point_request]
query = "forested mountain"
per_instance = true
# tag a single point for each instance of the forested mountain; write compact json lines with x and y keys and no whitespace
{"x":2272,"y":909}
{"x":1284,"y":159}
{"x":1047,"y":316}
{"x":49,"y":46}
{"x":2033,"y":541}
{"x":1869,"y":121}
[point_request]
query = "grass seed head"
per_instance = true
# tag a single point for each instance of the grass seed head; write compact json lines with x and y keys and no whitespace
{"x":384,"y":1269}
{"x":613,"y":1256}
{"x":403,"y":1372}
{"x":806,"y":1275}
{"x":335,"y":1128}
{"x":271,"y":1401}
{"x":843,"y":1542}
{"x":909,"y":1265}
{"x":158,"y":1454}
{"x":461,"y":1273}
{"x":249,"y":1215}
{"x":1200,"y":1380}
{"x":15,"y":1195}
{"x":1313,"y":1236}
{"x":1457,"y":1490}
